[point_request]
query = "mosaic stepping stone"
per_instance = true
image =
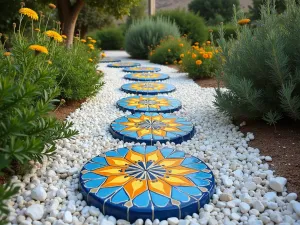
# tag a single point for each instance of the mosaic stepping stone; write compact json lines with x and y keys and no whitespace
{"x":109,"y":60}
{"x":142,"y":69}
{"x":123,"y":64}
{"x":147,"y":76}
{"x":152,"y":127}
{"x":146,"y":182}
{"x":149,"y":88}
{"x":146,"y":103}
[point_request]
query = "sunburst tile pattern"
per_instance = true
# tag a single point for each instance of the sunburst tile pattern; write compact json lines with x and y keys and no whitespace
{"x":123,"y":64}
{"x":146,"y":76}
{"x":146,"y":182}
{"x":146,"y":103}
{"x":148,"y":88}
{"x":152,"y":127}
{"x":142,"y":69}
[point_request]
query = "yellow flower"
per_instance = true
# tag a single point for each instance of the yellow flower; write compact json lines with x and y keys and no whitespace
{"x":6,"y":53}
{"x":37,"y":29}
{"x":92,"y":47}
{"x":196,"y":43}
{"x":93,"y":41}
{"x":205,"y":55}
{"x":89,"y":38}
{"x":167,"y":63}
{"x":210,"y":54}
{"x":64,"y":36}
{"x":244,"y":21}
{"x":180,"y":62}
{"x":52,"y":6}
{"x":53,"y":34}
{"x":90,"y":60}
{"x":198,"y":62}
{"x":181,"y":55}
{"x":208,"y":42}
{"x":29,"y":12}
{"x":83,"y":40}
{"x":169,"y":50}
{"x":194,"y":55}
{"x":38,"y":49}
{"x":49,"y":62}
{"x":180,"y":45}
{"x":103,"y":55}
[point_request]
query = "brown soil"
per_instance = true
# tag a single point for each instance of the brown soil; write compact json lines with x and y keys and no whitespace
{"x":283,"y":145}
{"x":208,"y":82}
{"x":70,"y":106}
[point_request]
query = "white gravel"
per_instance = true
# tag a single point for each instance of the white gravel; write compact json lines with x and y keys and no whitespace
{"x":49,"y":194}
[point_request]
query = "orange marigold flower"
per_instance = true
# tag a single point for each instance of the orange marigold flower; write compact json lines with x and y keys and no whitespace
{"x":181,"y":45}
{"x":198,"y":62}
{"x":244,"y":21}
{"x":29,"y":12}
{"x":182,"y":55}
{"x":169,"y":50}
{"x":194,"y":55}
{"x":103,"y":55}
{"x":205,"y":56}
{"x":39,"y":49}
{"x":52,"y":6}
{"x":89,"y":38}
{"x":93,"y":41}
{"x":53,"y":34}
{"x":180,"y":62}
{"x":83,"y":40}
{"x":208,"y":42}
{"x":6,"y":53}
{"x":64,"y":36}
{"x":196,"y":43}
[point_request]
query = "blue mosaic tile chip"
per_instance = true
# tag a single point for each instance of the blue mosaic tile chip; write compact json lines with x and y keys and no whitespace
{"x":147,"y":76}
{"x":109,"y":60}
{"x":146,"y":182}
{"x":142,"y":69}
{"x":123,"y":64}
{"x":148,"y":88}
{"x":152,"y":127}
{"x":146,"y":103}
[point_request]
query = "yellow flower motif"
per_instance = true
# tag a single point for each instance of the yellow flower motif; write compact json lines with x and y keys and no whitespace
{"x":140,"y":103}
{"x":64,"y":36}
{"x":146,"y":75}
{"x":53,"y":34}
{"x":181,"y":45}
{"x":194,"y":55}
{"x":90,"y":60}
{"x":37,"y":29}
{"x":244,"y":21}
{"x":49,"y":62}
{"x":93,"y":41}
{"x":182,"y":55}
{"x":38,"y":49}
{"x":148,"y":86}
{"x":198,"y":62}
{"x":29,"y":12}
{"x":6,"y":53}
{"x":52,"y":6}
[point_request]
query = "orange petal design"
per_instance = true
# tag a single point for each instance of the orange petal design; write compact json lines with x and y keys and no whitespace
{"x":154,"y":156}
{"x":134,"y":157}
{"x":113,"y":181}
{"x":109,"y":171}
{"x":160,"y":187}
{"x":180,"y":170}
{"x":142,"y":132}
{"x":135,"y":187}
{"x":160,"y":132}
{"x":114,"y":161}
{"x":178,"y":181}
{"x":171,"y":162}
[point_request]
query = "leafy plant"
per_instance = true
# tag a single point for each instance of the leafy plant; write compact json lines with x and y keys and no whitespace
{"x":169,"y":50}
{"x":147,"y":33}
{"x":188,"y":23}
{"x":111,"y":38}
{"x":200,"y":61}
{"x":229,"y":31}
{"x":6,"y":192}
{"x":261,"y":70}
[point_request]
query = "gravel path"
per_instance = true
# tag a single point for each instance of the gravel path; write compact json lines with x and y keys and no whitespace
{"x":247,"y":191}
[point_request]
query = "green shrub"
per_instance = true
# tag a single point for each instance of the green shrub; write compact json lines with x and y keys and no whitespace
{"x":229,"y":31}
{"x":77,"y":77}
{"x":110,"y":38}
{"x":262,"y":68}
{"x":147,"y":33}
{"x":6,"y":192}
{"x":169,"y":50}
{"x":188,"y":23}
{"x":200,"y":62}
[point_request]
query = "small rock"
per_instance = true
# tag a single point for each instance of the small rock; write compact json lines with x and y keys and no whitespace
{"x":173,"y":220}
{"x":292,"y":196}
{"x":73,"y":170}
{"x":184,"y":222}
{"x":227,"y":182}
{"x":122,"y":222}
{"x":35,"y":212}
{"x":39,"y":193}
{"x":250,"y":185}
{"x":163,"y":222}
{"x":278,"y":183}
{"x":93,"y":211}
{"x":139,"y":222}
{"x":270,"y":196}
{"x":106,"y":222}
{"x":276,"y":217}
{"x":225,"y":197}
{"x":244,"y":207}
{"x":61,"y":193}
{"x":235,"y":216}
{"x":155,"y":222}
{"x":148,"y":222}
{"x":68,"y":217}
{"x":254,"y":212}
{"x":272,"y":205}
{"x":296,"y":207}
{"x":208,"y":208}
{"x":268,"y":158}
{"x":258,"y":206}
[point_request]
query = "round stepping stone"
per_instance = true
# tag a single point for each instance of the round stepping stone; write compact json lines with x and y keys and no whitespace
{"x":146,"y":182}
{"x":152,"y":127}
{"x":147,"y":76}
{"x":142,"y":69}
{"x":123,"y":64}
{"x":162,"y":104}
{"x":109,"y":60}
{"x":150,"y":88}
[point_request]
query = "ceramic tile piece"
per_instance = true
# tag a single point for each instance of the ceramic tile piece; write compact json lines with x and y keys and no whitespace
{"x":148,"y":88}
{"x":146,"y":76}
{"x":123,"y":64}
{"x":142,"y":69}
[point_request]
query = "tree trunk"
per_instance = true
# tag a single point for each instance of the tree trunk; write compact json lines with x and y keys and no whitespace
{"x":83,"y":31}
{"x":68,"y":14}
